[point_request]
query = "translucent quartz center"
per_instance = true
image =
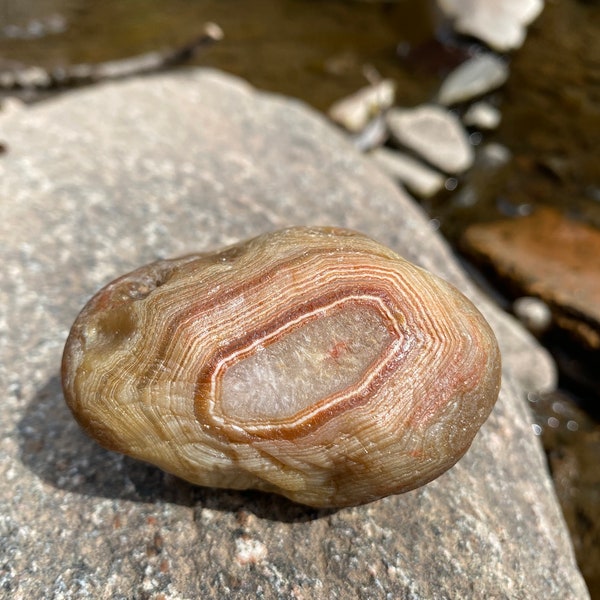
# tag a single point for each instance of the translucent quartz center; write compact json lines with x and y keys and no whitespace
{"x":323,"y":357}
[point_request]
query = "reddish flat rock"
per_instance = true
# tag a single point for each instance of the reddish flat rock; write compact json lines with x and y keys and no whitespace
{"x":550,"y":256}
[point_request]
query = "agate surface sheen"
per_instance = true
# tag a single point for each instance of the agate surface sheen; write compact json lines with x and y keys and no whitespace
{"x":311,"y":362}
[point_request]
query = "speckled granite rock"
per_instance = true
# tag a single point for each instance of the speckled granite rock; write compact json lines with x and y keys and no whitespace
{"x":100,"y":181}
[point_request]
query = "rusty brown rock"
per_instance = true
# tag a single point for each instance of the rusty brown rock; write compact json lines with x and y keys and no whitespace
{"x":549,"y":256}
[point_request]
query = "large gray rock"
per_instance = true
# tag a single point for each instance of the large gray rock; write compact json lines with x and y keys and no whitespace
{"x":100,"y":181}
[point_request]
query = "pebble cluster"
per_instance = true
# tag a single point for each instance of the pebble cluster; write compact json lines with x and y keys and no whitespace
{"x":433,"y":143}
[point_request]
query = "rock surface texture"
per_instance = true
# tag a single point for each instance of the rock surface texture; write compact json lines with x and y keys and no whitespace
{"x":99,"y":182}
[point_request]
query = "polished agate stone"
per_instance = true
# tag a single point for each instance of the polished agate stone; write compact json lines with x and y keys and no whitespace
{"x":310,"y":362}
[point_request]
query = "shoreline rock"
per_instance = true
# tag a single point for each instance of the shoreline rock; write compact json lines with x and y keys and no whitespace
{"x":434,"y":133}
{"x":102,"y":180}
{"x":355,"y":111}
{"x":475,"y":77}
{"x":501,"y":25}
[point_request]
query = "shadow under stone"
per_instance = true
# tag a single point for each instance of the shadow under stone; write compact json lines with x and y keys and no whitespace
{"x":56,"y":449}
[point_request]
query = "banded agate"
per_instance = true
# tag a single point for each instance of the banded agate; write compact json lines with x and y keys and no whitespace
{"x":310,"y":362}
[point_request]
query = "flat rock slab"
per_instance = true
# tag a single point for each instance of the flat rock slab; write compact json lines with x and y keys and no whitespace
{"x":482,"y":115}
{"x":551,"y":257}
{"x":98,"y":182}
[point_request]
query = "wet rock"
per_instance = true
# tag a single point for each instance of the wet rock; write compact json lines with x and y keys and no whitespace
{"x":475,"y":77}
{"x":551,"y":257}
{"x":571,"y":439}
{"x":88,"y":194}
{"x":29,"y":78}
{"x":434,"y":133}
{"x":482,"y":115}
{"x":372,"y":136}
{"x":533,"y":313}
{"x":418,"y":178}
{"x":499,"y":23}
{"x":493,"y":155}
{"x":355,"y":111}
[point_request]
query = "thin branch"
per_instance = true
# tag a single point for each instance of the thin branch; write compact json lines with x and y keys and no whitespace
{"x":37,"y":78}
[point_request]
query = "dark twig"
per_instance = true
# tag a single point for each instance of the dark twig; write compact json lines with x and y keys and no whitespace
{"x":37,"y":78}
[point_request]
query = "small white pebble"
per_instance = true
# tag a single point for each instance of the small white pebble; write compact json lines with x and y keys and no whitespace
{"x":483,"y":116}
{"x":537,"y":430}
{"x":533,"y":313}
{"x":355,"y":111}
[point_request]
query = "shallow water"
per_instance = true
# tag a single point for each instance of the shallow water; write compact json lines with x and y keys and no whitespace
{"x":308,"y":49}
{"x":319,"y":51}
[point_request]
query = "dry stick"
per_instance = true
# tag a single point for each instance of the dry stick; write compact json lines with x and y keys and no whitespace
{"x":38,"y":78}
